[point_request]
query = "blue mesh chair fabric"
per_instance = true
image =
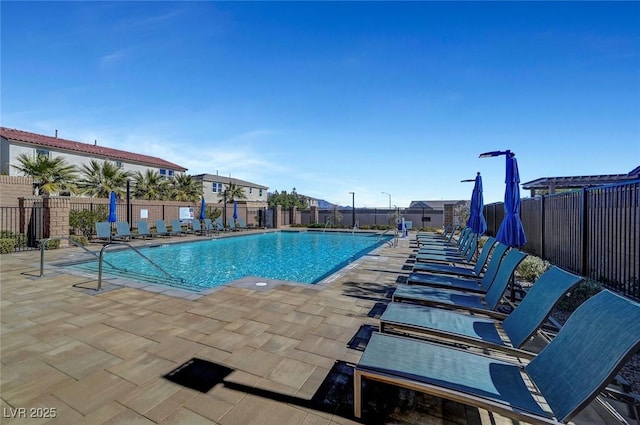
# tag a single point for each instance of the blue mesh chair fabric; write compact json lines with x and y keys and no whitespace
{"x":591,"y":347}
{"x":461,"y":299}
{"x":467,"y":283}
{"x":518,"y":327}
{"x":103,"y":230}
{"x":458,"y":270}
{"x":122,"y":231}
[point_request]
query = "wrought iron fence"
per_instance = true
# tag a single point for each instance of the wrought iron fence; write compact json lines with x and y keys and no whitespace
{"x":24,"y":226}
{"x":594,"y":232}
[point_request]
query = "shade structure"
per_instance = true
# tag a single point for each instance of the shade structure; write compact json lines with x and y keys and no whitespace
{"x":477,"y":222}
{"x":235,"y":210}
{"x":511,"y":232}
{"x":112,"y":208}
{"x":202,"y":209}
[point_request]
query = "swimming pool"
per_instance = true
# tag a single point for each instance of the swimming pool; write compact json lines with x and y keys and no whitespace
{"x":306,"y":257}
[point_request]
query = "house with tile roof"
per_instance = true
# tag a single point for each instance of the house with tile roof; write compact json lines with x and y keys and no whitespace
{"x":15,"y":142}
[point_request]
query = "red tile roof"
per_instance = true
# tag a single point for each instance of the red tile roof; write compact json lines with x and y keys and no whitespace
{"x":97,"y":151}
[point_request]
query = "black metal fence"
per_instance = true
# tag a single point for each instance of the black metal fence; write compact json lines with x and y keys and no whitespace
{"x":419,"y":217}
{"x":594,"y":232}
{"x":25,"y":226}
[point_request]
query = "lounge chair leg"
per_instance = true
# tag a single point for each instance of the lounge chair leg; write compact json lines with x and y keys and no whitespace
{"x":357,"y":396}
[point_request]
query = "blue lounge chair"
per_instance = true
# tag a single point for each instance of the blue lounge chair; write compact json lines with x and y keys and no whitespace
{"x":197,"y":227}
{"x":176,"y":228}
{"x":596,"y":341}
{"x":161,"y":228}
{"x":448,"y":242}
{"x":447,"y":231}
{"x":123,"y":232}
{"x":231,"y":224}
{"x":466,"y":283}
{"x":465,"y":255}
{"x":474,"y":330}
{"x":220,"y":225}
{"x":143,"y":230}
{"x":103,"y":231}
{"x":476,"y":271}
{"x":448,"y":247}
{"x":241,"y":224}
{"x":459,"y":299}
{"x":208,"y":227}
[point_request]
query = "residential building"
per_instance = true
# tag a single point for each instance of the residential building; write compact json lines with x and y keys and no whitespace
{"x":15,"y":142}
{"x":214,"y":185}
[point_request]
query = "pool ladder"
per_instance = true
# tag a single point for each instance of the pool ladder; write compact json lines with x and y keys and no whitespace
{"x":392,"y":242}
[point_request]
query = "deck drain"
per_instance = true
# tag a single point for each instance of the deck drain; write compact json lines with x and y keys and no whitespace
{"x":261,"y":283}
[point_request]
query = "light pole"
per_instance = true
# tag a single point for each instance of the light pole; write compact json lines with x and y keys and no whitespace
{"x":353,"y":209}
{"x":389,"y":195}
{"x":389,"y":216}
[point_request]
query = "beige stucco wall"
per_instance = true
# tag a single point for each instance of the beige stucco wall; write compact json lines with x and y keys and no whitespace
{"x":253,"y":194}
{"x":14,"y":187}
{"x":71,"y":158}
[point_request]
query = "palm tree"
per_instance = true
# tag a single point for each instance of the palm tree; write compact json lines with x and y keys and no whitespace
{"x":150,"y":186}
{"x":232,"y":193}
{"x":102,"y":178}
{"x":185,"y":188}
{"x":50,"y":176}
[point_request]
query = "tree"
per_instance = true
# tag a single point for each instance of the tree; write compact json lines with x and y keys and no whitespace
{"x":288,"y":200}
{"x":232,"y":193}
{"x":462,"y":212}
{"x":50,"y":176}
{"x":150,"y":186}
{"x":100,"y":179}
{"x":184,"y":187}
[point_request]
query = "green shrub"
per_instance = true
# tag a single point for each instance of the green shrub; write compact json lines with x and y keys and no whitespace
{"x":19,"y":239}
{"x":7,"y":246}
{"x":55,"y":244}
{"x":583,"y":292}
{"x":79,"y":239}
{"x":316,"y":226}
{"x":532,"y":267}
{"x":83,"y":222}
{"x":430,"y":229}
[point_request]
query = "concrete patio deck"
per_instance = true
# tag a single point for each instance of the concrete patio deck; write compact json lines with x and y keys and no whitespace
{"x":87,"y":357}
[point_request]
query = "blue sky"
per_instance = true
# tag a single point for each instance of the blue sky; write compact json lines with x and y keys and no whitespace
{"x":335,"y":97}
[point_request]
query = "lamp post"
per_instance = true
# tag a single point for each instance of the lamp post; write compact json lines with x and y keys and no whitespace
{"x":389,"y":215}
{"x":129,"y":202}
{"x":389,"y":195}
{"x":353,"y":209}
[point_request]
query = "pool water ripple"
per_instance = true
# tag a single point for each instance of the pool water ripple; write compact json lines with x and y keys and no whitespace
{"x":306,"y":257}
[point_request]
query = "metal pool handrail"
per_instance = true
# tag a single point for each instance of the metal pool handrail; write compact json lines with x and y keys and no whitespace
{"x":43,"y":245}
{"x":394,"y":241}
{"x":100,"y":260}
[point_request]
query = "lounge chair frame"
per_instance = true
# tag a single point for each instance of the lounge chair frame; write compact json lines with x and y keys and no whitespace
{"x":551,"y":389}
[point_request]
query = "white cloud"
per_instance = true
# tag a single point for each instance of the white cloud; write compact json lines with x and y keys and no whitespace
{"x":114,"y":58}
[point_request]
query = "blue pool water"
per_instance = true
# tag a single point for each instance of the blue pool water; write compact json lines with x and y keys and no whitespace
{"x":306,"y":257}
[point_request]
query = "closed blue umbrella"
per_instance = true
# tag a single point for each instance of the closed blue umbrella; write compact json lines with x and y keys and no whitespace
{"x":202,"y":207}
{"x":511,"y":232}
{"x":112,"y":208}
{"x":235,"y":210}
{"x":476,"y":221}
